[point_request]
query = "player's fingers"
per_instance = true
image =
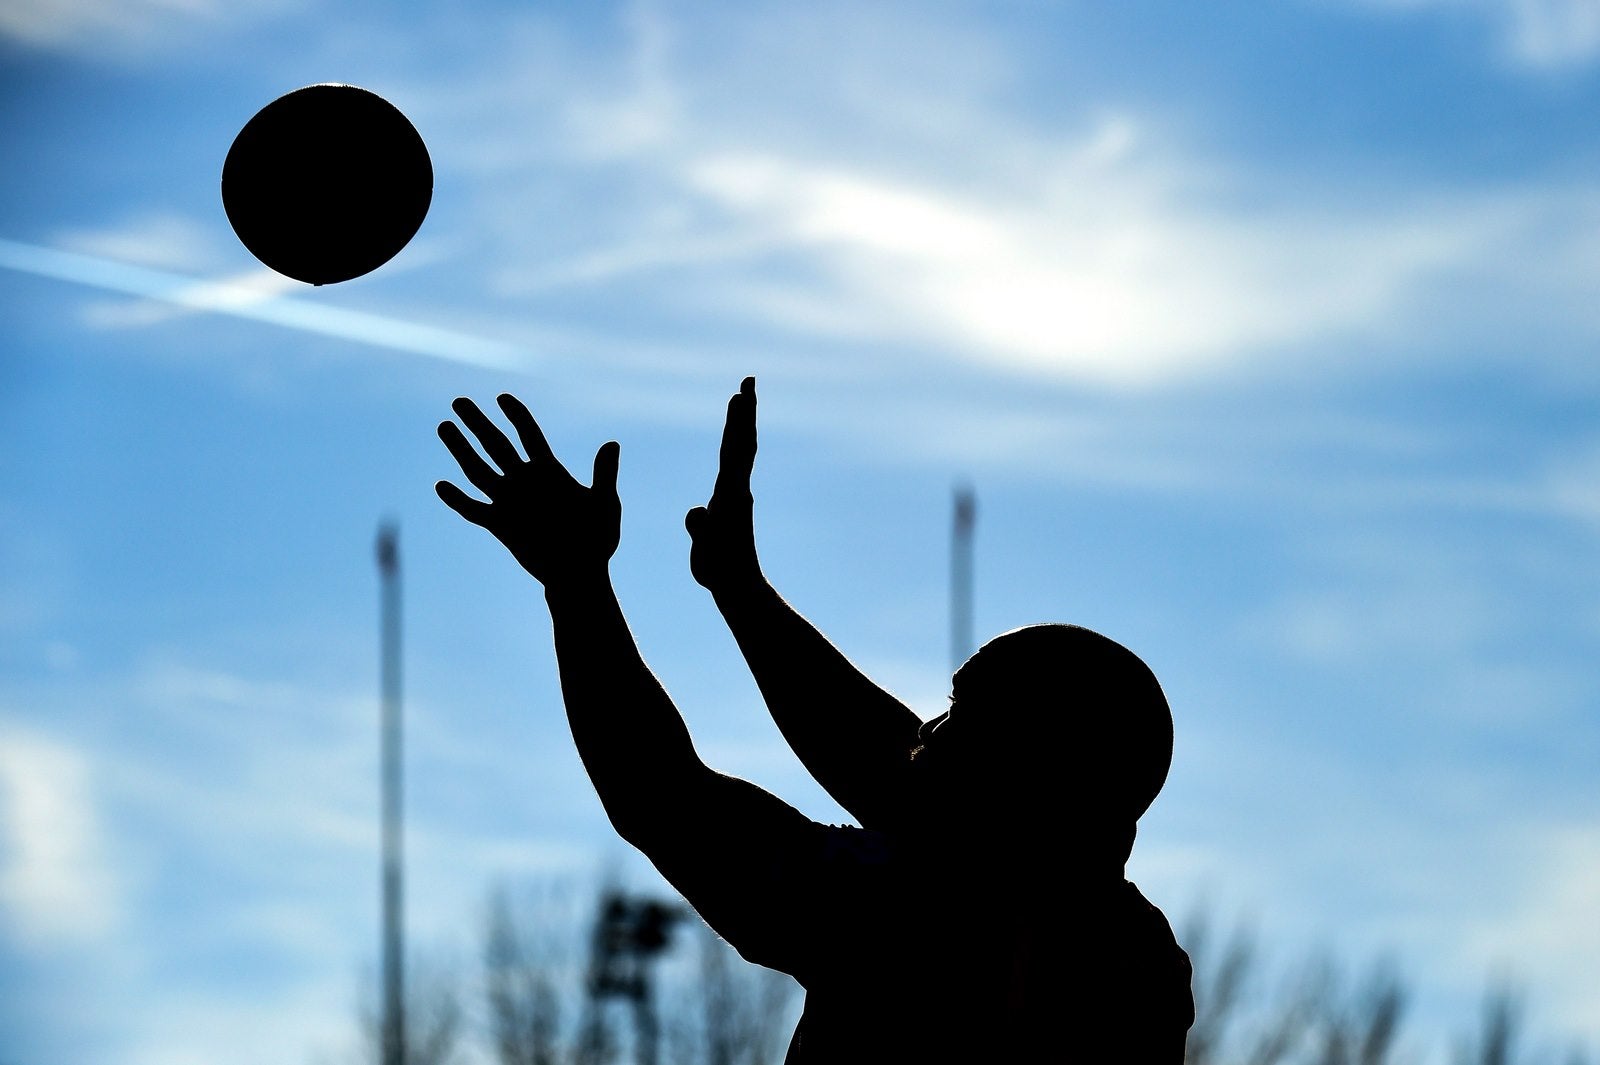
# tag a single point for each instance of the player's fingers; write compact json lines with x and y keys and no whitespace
{"x":488,"y":433}
{"x":738,"y":455}
{"x":605,"y":468}
{"x":474,"y":510}
{"x":532,"y":437}
{"x":479,"y":472}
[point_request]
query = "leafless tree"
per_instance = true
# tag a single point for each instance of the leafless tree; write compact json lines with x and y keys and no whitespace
{"x":522,"y":960}
{"x":1301,"y":1017}
{"x":1238,"y":1019}
{"x":745,"y":1010}
{"x":1220,"y":972}
{"x":722,"y":1010}
{"x":434,"y":1018}
{"x":1499,"y":1028}
{"x":1310,"y":1015}
{"x":1362,"y":1028}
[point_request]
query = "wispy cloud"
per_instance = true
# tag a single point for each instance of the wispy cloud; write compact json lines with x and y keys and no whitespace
{"x":1549,"y":932}
{"x":1547,"y":35}
{"x":256,"y":297}
{"x":56,"y":885}
{"x":313,"y":1020}
{"x":59,"y":22}
{"x":231,"y":835}
{"x":1469,"y":884}
{"x":1100,"y":247}
{"x":1553,"y":33}
{"x":162,"y":240}
{"x":1104,"y":273}
{"x":253,"y":734}
{"x":119,"y":26}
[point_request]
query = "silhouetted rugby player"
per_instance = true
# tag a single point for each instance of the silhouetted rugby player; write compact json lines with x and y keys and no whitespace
{"x":979,"y":913}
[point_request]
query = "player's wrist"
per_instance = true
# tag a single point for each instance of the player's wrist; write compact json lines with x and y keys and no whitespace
{"x":575,"y":582}
{"x":737,"y":587}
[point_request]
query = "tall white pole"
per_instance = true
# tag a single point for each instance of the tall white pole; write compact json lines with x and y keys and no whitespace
{"x":394,"y":1018}
{"x":966,"y":513}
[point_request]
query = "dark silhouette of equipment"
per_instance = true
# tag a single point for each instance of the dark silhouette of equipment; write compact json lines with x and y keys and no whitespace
{"x":630,"y":934}
{"x":394,"y":1019}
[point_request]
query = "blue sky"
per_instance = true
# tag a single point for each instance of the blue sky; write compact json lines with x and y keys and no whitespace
{"x":1265,"y":334}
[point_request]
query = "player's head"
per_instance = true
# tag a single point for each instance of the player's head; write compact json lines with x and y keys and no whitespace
{"x":1056,"y":718}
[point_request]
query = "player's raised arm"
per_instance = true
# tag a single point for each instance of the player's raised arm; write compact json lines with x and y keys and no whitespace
{"x":630,"y":736}
{"x":853,"y":736}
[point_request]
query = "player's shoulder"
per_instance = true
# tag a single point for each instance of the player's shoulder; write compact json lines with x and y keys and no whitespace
{"x":1147,"y":914}
{"x":1133,"y":897}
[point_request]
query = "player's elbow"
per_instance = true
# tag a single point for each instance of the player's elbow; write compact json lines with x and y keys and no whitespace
{"x":646,"y":808}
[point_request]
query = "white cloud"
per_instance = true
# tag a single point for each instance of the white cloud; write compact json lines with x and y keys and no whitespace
{"x":1090,"y":248}
{"x":119,"y":26}
{"x":286,"y":769}
{"x":645,"y":113}
{"x":1572,"y":485}
{"x":238,"y":815}
{"x":1366,"y":618}
{"x":1096,"y":247}
{"x":294,"y":1024}
{"x":56,"y":22}
{"x":1539,"y":34}
{"x":1107,"y":276}
{"x":1447,"y":873}
{"x":56,"y":884}
{"x":162,"y":240}
{"x":256,"y":296}
{"x":248,"y":739}
{"x":1087,"y":248}
{"x":1547,"y":935}
{"x":1114,"y":268}
{"x":1552,"y":33}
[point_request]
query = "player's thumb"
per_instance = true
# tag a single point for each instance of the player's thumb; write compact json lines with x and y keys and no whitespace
{"x":695,"y":521}
{"x":605,"y":468}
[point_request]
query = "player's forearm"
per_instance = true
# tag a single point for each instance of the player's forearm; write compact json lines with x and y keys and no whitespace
{"x":852,"y":735}
{"x":630,"y":736}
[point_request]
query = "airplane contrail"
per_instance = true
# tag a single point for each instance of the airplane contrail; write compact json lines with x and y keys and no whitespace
{"x":252,"y":302}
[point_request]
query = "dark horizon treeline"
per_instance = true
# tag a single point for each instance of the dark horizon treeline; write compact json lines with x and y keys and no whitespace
{"x":528,"y":1001}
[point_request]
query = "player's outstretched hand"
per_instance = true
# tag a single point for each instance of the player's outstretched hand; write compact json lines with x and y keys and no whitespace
{"x":723,"y":554}
{"x":554,"y":526}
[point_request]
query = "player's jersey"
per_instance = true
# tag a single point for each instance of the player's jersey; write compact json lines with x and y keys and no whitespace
{"x":907,"y":959}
